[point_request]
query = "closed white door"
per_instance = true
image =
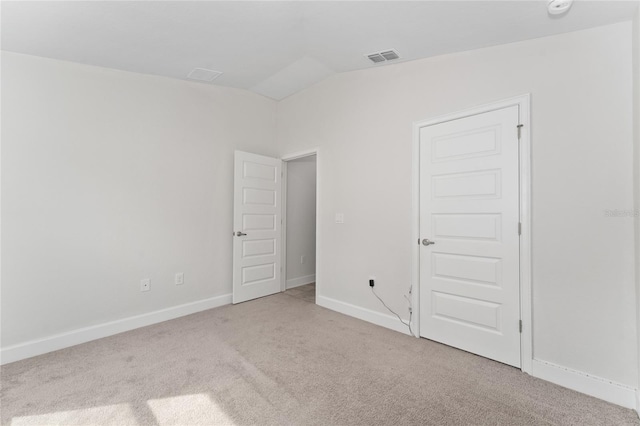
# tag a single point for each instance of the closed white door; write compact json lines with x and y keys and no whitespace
{"x":469,"y":230}
{"x":257,"y":217}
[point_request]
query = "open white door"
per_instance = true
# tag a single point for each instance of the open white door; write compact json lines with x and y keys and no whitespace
{"x":469,"y":253}
{"x":257,"y":221}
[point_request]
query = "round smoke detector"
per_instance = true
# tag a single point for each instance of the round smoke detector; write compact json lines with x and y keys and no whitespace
{"x":558,"y":7}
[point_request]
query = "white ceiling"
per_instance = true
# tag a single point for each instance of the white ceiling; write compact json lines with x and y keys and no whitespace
{"x":278,"y":48}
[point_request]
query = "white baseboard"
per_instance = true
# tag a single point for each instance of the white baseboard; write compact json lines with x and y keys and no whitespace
{"x":586,"y":383}
{"x":86,"y":334}
{"x":304,"y":280}
{"x":384,"y":320}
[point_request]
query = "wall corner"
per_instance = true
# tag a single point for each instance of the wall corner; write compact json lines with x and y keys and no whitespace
{"x":636,"y":177}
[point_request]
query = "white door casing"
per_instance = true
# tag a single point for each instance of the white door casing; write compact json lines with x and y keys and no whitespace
{"x":469,"y":206}
{"x":257,"y":217}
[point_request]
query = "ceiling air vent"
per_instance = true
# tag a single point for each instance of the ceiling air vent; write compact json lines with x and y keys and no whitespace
{"x":202,"y":74}
{"x":376,"y":57}
{"x":390,"y":55}
{"x":384,"y":56}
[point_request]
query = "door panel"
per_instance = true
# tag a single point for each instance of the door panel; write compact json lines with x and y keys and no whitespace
{"x":484,"y":184}
{"x":470,"y":226}
{"x":469,"y":197}
{"x":467,"y":269}
{"x":257,"y":215}
{"x":258,"y":248}
{"x":466,"y":311}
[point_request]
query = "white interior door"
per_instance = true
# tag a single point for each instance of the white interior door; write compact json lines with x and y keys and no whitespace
{"x":257,"y":221}
{"x":469,"y":216}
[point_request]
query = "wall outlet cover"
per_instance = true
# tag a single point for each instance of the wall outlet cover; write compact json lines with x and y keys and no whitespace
{"x":179,"y":278}
{"x":145,"y":284}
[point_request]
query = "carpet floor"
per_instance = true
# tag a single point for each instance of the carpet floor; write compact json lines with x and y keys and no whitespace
{"x":281,"y":360}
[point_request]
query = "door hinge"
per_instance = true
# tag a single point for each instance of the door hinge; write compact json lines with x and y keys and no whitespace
{"x":520,"y":130}
{"x":520,"y":325}
{"x":519,"y":228}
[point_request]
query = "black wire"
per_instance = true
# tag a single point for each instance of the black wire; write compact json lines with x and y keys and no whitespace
{"x":390,"y":310}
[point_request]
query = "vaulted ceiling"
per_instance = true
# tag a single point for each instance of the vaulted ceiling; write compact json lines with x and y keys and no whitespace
{"x":278,"y":48}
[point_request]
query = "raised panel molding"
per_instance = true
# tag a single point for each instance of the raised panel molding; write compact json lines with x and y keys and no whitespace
{"x":256,"y":248}
{"x":457,"y":146}
{"x":468,"y":226}
{"x":259,"y":222}
{"x":468,"y":269}
{"x":259,"y":171}
{"x":258,"y":273}
{"x":469,"y":185}
{"x":260,"y":197}
{"x":467,"y":311}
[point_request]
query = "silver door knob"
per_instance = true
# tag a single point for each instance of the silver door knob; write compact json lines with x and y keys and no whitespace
{"x":240,"y":234}
{"x":427,"y":242}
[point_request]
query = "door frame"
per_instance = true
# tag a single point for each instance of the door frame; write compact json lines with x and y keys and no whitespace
{"x":523,"y":103}
{"x":285,"y":159}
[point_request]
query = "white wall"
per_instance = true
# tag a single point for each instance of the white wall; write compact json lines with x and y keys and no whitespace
{"x":636,"y":132}
{"x":301,"y":221}
{"x":583,"y":262}
{"x":109,"y":177}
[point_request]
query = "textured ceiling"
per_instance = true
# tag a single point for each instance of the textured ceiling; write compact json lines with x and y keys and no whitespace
{"x":278,"y":48}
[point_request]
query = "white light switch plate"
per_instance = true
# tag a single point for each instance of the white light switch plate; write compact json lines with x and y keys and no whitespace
{"x":179,"y":278}
{"x":339,"y":217}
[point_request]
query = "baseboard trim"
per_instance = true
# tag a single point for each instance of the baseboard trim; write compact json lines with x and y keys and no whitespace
{"x":304,"y":280}
{"x":598,"y":387}
{"x":87,"y":334}
{"x":364,"y":314}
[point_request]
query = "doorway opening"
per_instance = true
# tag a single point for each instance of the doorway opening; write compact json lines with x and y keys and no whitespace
{"x":299,"y":226}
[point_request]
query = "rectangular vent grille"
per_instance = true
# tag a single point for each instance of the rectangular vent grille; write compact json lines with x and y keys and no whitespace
{"x":202,"y":74}
{"x":376,"y":57}
{"x":383,"y":56}
{"x":390,"y":55}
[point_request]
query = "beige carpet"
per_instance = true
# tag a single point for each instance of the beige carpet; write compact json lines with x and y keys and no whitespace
{"x":281,"y":360}
{"x":303,"y":292}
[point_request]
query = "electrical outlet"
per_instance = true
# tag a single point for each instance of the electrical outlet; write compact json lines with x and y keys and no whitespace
{"x":179,"y":278}
{"x":339,"y":217}
{"x":303,"y":259}
{"x":145,"y":284}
